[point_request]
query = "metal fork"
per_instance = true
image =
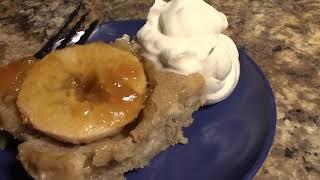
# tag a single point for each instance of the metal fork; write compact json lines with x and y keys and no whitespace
{"x":64,"y":37}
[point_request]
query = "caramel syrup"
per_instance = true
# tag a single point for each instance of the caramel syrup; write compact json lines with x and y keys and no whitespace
{"x":11,"y":76}
{"x":119,"y":100}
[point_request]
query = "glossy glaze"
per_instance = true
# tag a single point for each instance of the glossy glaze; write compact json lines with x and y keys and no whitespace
{"x":11,"y":76}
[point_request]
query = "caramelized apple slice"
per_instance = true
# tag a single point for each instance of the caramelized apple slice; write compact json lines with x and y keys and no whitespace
{"x":83,"y":93}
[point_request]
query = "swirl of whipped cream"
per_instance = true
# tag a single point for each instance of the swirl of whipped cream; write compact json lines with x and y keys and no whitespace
{"x":184,"y":36}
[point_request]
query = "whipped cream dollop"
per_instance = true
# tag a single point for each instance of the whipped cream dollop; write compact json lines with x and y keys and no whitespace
{"x":184,"y":36}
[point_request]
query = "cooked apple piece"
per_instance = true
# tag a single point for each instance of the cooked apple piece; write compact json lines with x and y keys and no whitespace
{"x":83,"y":93}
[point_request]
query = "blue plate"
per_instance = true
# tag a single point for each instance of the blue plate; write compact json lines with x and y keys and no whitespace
{"x":228,"y":140}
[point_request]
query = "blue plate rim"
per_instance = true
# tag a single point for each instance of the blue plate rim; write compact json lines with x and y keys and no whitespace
{"x":270,"y":138}
{"x":271,"y":135}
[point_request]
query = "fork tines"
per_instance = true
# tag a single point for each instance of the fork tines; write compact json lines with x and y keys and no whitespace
{"x":73,"y":31}
{"x":67,"y":35}
{"x":88,"y":32}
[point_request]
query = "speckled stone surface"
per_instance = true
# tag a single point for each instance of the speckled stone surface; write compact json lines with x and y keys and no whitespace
{"x":282,"y":36}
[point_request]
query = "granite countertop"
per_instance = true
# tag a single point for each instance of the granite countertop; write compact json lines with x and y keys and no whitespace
{"x":283,"y":37}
